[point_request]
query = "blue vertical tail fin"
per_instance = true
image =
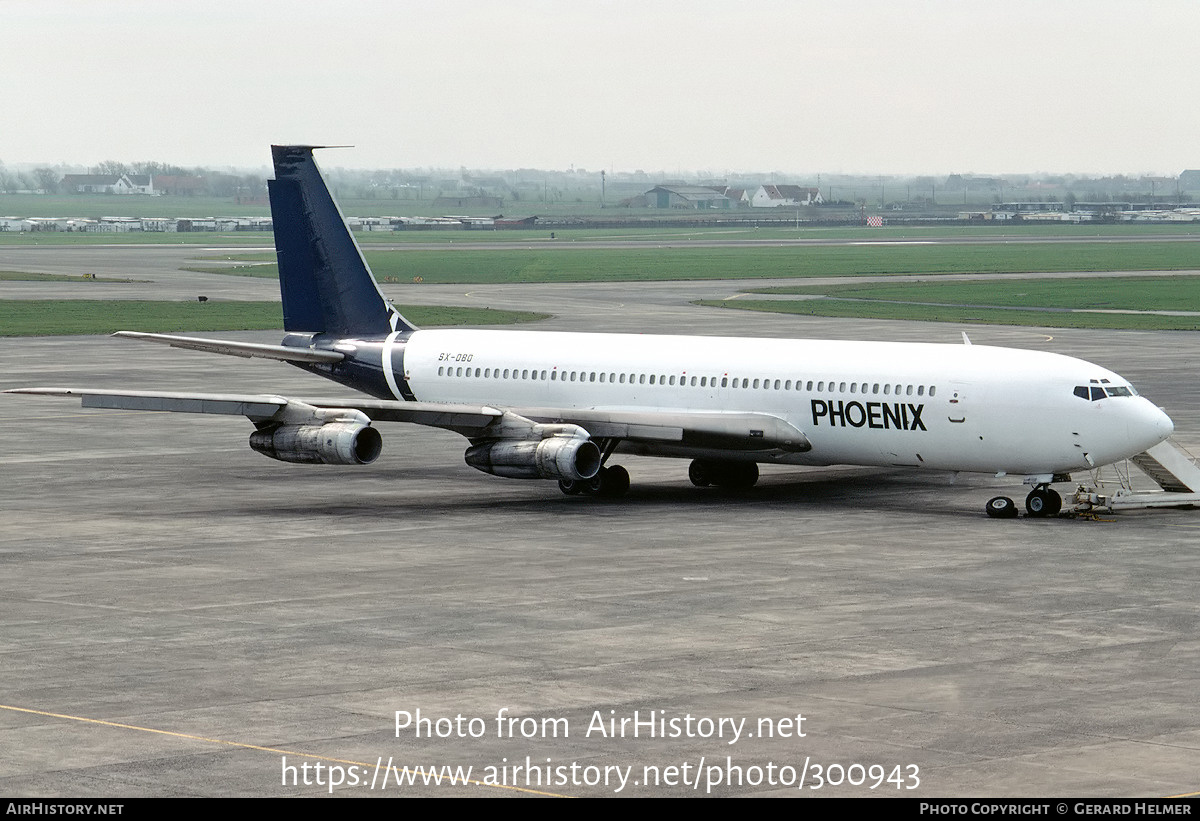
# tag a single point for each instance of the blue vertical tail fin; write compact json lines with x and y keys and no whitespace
{"x":327,"y":286}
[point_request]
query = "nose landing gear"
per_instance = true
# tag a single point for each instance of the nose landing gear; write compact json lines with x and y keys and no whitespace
{"x":1039,"y":503}
{"x":1043,"y":501}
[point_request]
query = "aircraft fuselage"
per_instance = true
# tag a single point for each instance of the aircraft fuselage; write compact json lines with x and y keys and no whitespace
{"x":951,"y":407}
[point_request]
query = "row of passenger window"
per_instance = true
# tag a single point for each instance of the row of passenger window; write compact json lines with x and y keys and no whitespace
{"x":819,"y":386}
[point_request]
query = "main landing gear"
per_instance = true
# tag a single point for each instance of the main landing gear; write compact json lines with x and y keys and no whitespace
{"x":613,"y":482}
{"x":608,"y":483}
{"x":1042,"y":501}
{"x":732,"y":475}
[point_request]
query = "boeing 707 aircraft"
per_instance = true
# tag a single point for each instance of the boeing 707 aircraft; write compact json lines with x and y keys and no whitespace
{"x":558,"y":406}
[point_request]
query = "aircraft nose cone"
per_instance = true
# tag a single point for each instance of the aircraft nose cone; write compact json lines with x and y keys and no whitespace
{"x":1165,"y":426}
{"x":1152,"y":425}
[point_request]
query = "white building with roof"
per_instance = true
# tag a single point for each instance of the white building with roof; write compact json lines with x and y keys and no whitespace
{"x":776,"y":196}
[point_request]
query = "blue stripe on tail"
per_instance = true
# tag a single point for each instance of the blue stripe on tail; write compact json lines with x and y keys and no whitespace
{"x":327,"y":286}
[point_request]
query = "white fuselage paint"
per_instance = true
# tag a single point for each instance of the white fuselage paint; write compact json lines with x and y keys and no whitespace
{"x":951,"y":407}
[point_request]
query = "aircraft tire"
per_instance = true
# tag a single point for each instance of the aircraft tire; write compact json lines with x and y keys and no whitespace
{"x":698,"y":473}
{"x":614,"y":482}
{"x":570,"y":487}
{"x":738,"y":476}
{"x":1043,"y":501}
{"x":595,"y":485}
{"x":1001,"y":507}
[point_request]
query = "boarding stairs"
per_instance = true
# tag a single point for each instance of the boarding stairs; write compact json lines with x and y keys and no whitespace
{"x":1170,"y":466}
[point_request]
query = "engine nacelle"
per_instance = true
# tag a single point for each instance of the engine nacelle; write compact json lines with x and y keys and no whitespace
{"x":556,"y":457}
{"x":334,"y":443}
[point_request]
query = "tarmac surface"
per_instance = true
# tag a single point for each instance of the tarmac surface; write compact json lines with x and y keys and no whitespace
{"x":181,"y":616}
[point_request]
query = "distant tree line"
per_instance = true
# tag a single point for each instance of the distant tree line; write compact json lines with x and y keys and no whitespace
{"x":531,"y":186}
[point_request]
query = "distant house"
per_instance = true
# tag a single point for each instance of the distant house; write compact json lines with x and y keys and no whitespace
{"x":107,"y":184}
{"x":95,"y":184}
{"x":686,"y":196}
{"x":738,"y":196}
{"x":140,"y":183}
{"x":776,"y":196}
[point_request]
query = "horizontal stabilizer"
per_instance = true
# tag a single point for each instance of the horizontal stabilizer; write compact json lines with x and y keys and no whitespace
{"x":243,"y":349}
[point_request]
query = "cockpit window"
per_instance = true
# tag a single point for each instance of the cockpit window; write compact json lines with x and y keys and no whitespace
{"x":1094,"y":392}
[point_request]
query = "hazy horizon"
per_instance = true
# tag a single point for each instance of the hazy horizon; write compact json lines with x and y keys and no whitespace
{"x":685,"y":89}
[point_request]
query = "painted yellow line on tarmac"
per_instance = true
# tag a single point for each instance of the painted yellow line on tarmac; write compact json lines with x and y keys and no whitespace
{"x":417,"y":772}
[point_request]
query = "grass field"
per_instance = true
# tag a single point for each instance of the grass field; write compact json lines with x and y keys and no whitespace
{"x":651,"y":233}
{"x":1076,"y":248}
{"x":565,"y":264}
{"x":1143,"y":293}
{"x":1004,"y":302}
{"x":85,"y":316}
{"x":27,"y":276}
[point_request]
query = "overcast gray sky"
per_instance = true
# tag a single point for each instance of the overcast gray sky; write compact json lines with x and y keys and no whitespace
{"x":940,"y":86}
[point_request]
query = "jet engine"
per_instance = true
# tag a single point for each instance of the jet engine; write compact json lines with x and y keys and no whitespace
{"x":334,"y":443}
{"x":557,"y":457}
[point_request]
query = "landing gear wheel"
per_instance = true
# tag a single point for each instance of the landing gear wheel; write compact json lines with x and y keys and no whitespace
{"x":570,"y":486}
{"x":1043,"y":501}
{"x":730,"y":475}
{"x":614,"y":482}
{"x":592,"y":486}
{"x":739,"y":476}
{"x":1001,"y":507}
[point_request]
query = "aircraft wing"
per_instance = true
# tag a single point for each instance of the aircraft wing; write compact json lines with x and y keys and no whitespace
{"x":251,"y":406}
{"x":465,"y":419}
{"x":725,"y":431}
{"x":721,"y":431}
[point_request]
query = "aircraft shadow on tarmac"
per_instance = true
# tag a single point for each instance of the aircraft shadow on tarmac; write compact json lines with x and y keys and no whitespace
{"x":839,"y":489}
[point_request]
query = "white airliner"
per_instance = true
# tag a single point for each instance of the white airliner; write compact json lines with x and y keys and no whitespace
{"x":539,"y":405}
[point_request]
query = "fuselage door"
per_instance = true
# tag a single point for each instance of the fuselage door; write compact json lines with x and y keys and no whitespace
{"x":956,"y":403}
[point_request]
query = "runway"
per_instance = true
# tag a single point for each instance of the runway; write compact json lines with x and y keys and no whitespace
{"x":181,"y":616}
